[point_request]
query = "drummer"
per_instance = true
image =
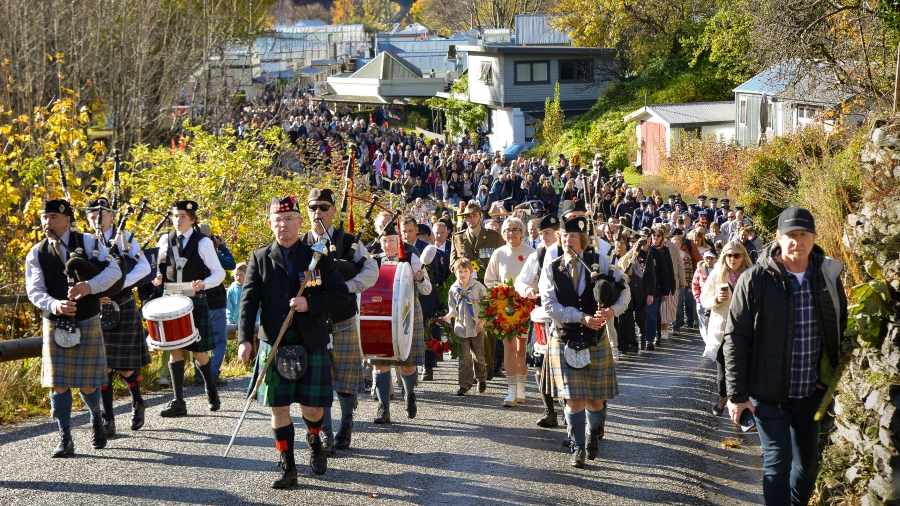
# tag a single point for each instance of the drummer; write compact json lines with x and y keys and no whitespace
{"x":203,"y":271}
{"x":126,"y":348}
{"x":360,"y":272}
{"x":390,"y":241}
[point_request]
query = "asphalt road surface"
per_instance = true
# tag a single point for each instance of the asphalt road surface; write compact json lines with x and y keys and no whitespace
{"x":662,"y":446}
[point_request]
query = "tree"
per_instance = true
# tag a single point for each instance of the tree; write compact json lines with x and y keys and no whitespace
{"x":347,"y":12}
{"x":286,"y":12}
{"x":460,"y":112}
{"x":554,"y":117}
{"x":725,"y":40}
{"x":440,"y":16}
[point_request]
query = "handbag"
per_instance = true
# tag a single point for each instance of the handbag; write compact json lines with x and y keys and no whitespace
{"x":291,"y":361}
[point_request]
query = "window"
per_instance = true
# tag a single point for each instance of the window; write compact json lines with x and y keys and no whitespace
{"x":581,"y":71}
{"x":484,"y":75}
{"x":743,"y":115}
{"x":532,"y":72}
{"x":806,"y":112}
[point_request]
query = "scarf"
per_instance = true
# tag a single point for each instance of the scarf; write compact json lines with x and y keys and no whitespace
{"x":463,"y":295}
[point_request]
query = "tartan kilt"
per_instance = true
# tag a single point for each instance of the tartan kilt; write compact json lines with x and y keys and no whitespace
{"x":204,"y":326}
{"x":546,"y":384}
{"x":126,"y":347}
{"x":668,"y":310}
{"x":417,"y":349}
{"x":82,"y":365}
{"x":313,"y":389}
{"x":346,"y":358}
{"x":596,"y":381}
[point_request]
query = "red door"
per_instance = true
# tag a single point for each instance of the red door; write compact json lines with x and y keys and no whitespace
{"x":653,"y":145}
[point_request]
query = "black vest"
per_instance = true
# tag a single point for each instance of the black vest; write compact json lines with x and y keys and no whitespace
{"x":194,"y":269}
{"x":566,"y":296}
{"x":57,"y":283}
{"x":341,"y":250}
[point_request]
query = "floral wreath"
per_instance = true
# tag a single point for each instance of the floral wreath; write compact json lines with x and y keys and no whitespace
{"x":506,"y":314}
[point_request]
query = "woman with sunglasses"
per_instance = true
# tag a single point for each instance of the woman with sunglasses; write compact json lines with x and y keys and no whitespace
{"x":716,"y":297}
{"x":506,"y":263}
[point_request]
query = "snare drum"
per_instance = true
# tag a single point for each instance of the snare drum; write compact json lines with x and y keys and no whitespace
{"x":542,"y":323}
{"x":171,"y":322}
{"x":386,"y":312}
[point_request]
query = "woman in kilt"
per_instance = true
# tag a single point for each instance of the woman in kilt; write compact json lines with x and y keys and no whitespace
{"x":126,"y":348}
{"x":390,"y":246}
{"x":274,"y":276}
{"x":580,"y":356}
{"x":203,"y":271}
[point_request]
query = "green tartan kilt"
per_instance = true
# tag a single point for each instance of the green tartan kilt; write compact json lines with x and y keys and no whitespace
{"x":126,"y":347}
{"x":313,"y":389}
{"x":417,"y":350}
{"x":204,"y":326}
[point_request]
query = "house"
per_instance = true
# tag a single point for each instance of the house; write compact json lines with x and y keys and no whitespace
{"x":329,"y":67}
{"x":514,"y":82}
{"x":659,"y":125}
{"x":791,"y":99}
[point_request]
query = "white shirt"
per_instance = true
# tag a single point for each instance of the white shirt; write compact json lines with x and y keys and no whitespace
{"x":35,"y":284}
{"x":367,"y":276}
{"x":142,"y":268}
{"x":531,"y":273}
{"x":207,"y":252}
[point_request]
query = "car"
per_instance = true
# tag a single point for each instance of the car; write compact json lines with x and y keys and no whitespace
{"x":514,"y":150}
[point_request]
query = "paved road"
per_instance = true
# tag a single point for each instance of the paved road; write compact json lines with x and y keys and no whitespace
{"x":662,"y":447}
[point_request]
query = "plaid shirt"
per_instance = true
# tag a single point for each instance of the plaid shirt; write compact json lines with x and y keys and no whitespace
{"x":807,"y":342}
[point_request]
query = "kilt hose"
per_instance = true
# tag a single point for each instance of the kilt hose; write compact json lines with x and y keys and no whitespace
{"x":313,"y":389}
{"x":346,"y":358}
{"x":204,"y":326}
{"x":82,"y":365}
{"x":126,"y":347}
{"x":596,"y":381}
{"x":417,"y":349}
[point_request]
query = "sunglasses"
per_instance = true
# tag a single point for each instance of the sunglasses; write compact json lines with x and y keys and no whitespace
{"x":734,"y":255}
{"x":321,"y":207}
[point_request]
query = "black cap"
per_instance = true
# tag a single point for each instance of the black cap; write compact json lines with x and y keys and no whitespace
{"x":390,"y":229}
{"x":725,"y":201}
{"x":681,"y":204}
{"x":796,"y":218}
{"x":701,"y":197}
{"x":325,"y":195}
{"x":713,"y":200}
{"x":573,"y":205}
{"x":98,"y":202}
{"x":692,"y":206}
{"x":58,"y":206}
{"x":675,"y":232}
{"x":738,"y":208}
{"x":671,"y":197}
{"x":548,"y":222}
{"x":185,"y":205}
{"x":703,"y":214}
{"x":284,"y":204}
{"x":422,"y":228}
{"x":578,"y":224}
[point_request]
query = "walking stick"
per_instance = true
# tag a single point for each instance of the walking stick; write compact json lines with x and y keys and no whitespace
{"x":318,"y":251}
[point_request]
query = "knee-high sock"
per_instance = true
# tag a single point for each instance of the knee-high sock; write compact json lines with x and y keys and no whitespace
{"x":326,"y":422}
{"x":576,"y":423}
{"x":383,"y":388}
{"x":595,"y":418}
{"x":62,"y":411}
{"x":134,"y":386}
{"x":409,"y":382}
{"x":92,"y":402}
{"x":284,"y":438}
{"x":314,"y":427}
{"x":176,"y":371}
{"x":106,"y":395}
{"x":206,"y":374}
{"x":347,"y":402}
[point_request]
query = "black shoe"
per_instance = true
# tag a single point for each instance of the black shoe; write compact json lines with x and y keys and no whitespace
{"x":137,"y":415}
{"x":643,"y":345}
{"x":382,"y":415}
{"x":98,"y":437}
{"x":288,"y":471}
{"x":462,"y":391}
{"x":719,"y":408}
{"x":593,"y":444}
{"x":650,"y":347}
{"x":633,"y":348}
{"x":482,"y":386}
{"x":548,"y":421}
{"x":109,"y":425}
{"x":174,"y":409}
{"x":318,"y":459}
{"x":328,"y":443}
{"x":428,"y":375}
{"x":198,"y":380}
{"x":344,"y":435}
{"x":498,"y":373}
{"x":212,"y":397}
{"x":220,"y":382}
{"x":65,"y":447}
{"x":490,"y":376}
{"x":577,"y":459}
{"x":412,"y":409}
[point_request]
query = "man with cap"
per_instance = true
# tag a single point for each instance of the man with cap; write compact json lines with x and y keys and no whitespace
{"x":577,"y":209}
{"x":477,"y":244}
{"x":713,"y":202}
{"x":73,"y":353}
{"x":649,"y":217}
{"x":782,"y":346}
{"x":359,"y":272}
{"x":670,"y":205}
{"x":662,"y":218}
{"x":126,"y":347}
{"x":721,"y":214}
{"x":701,"y":203}
{"x":274,"y":277}
{"x":567,"y":294}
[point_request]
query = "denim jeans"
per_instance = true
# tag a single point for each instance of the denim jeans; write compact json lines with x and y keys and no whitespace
{"x":789,"y":437}
{"x":686,"y":305}
{"x":220,"y":336}
{"x":701,"y":318}
{"x":652,"y":314}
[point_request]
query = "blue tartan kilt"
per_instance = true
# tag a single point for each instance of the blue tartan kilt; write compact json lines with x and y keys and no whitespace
{"x":346,"y":358}
{"x":82,"y":365}
{"x":417,"y":350}
{"x":204,"y":326}
{"x":313,"y":389}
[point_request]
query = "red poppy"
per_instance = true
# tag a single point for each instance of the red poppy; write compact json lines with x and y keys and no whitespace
{"x":521,"y":258}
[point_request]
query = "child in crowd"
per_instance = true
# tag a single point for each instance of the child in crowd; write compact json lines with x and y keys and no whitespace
{"x":463,"y":302}
{"x":233,"y":309}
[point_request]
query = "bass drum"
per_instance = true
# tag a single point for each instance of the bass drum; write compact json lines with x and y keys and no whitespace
{"x":386,"y":312}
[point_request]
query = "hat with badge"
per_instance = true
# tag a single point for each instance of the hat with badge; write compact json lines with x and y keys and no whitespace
{"x":569,"y":206}
{"x":713,"y":200}
{"x":185,"y":205}
{"x":671,"y":197}
{"x":703,"y":214}
{"x":576,"y":225}
{"x":284,"y":204}
{"x":701,"y":197}
{"x":796,"y":218}
{"x":58,"y":206}
{"x":471,"y":207}
{"x":548,"y":221}
{"x":325,"y":195}
{"x":725,"y":202}
{"x":96,"y":203}
{"x":738,"y":208}
{"x":390,"y":229}
{"x":422,"y":228}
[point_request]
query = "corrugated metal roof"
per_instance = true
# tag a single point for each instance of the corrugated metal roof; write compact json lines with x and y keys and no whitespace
{"x":770,"y":81}
{"x":311,"y":71}
{"x":388,"y":66}
{"x":532,"y":29}
{"x":689,"y":113}
{"x":790,"y":82}
{"x":324,"y":62}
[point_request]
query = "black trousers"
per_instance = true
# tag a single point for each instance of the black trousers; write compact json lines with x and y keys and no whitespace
{"x":640,"y":316}
{"x":625,"y":329}
{"x":720,"y":373}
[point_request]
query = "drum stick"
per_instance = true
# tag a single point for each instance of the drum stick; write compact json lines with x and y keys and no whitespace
{"x":262,"y":372}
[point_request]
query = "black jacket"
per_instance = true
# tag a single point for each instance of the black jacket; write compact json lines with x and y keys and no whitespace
{"x":269,"y":289}
{"x":759,"y":333}
{"x":662,"y":267}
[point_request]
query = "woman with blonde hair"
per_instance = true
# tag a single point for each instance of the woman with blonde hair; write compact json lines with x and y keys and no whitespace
{"x":716,"y":297}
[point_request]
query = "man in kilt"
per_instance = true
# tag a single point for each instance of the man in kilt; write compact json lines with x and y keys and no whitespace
{"x":360,"y":272}
{"x":274,"y":276}
{"x":126,"y":348}
{"x":69,"y":363}
{"x":566,"y":289}
{"x":201,"y":268}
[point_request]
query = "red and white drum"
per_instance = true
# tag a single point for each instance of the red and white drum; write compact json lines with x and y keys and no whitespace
{"x":171,"y":322}
{"x":542,"y":323}
{"x":386,"y":313}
